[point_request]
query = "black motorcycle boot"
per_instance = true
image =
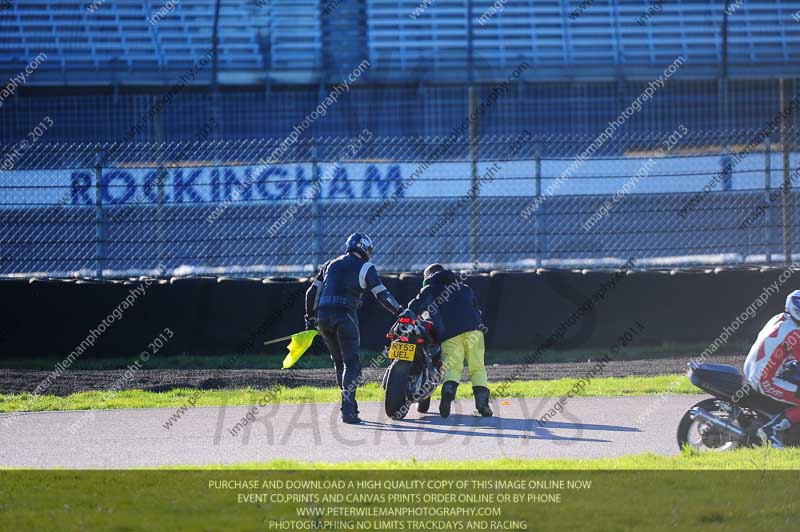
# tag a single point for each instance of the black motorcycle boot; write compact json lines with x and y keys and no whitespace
{"x":424,"y":405}
{"x":449,"y":389}
{"x":350,"y":409}
{"x":341,"y":409}
{"x":772,"y":433}
{"x":482,"y":401}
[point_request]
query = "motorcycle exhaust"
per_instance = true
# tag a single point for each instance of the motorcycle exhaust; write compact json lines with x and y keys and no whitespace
{"x":695,"y":413}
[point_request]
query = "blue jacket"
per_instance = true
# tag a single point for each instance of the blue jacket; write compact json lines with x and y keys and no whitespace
{"x":340,"y":283}
{"x":451,"y":303}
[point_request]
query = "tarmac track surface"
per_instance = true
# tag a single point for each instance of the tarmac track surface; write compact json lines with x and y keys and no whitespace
{"x":586,"y":428}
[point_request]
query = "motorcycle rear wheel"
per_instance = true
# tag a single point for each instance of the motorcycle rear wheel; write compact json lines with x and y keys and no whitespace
{"x":690,"y":431}
{"x":396,"y":402}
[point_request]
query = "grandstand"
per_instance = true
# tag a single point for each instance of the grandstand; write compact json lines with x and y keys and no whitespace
{"x":112,"y":42}
{"x":297,"y":42}
{"x":105,"y":63}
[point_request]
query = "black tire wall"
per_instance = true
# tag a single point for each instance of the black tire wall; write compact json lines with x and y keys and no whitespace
{"x":524,"y":311}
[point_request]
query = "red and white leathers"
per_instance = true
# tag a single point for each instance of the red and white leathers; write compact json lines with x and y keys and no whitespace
{"x":777,"y":343}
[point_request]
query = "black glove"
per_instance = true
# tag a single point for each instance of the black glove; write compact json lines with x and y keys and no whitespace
{"x":407,"y":313}
{"x":311,"y":323}
{"x":791,"y":372}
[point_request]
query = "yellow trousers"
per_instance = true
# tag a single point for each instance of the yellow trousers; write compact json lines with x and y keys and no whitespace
{"x":469,"y":346}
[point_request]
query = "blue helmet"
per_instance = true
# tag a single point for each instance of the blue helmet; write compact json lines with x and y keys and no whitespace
{"x":793,"y":305}
{"x":359,"y":243}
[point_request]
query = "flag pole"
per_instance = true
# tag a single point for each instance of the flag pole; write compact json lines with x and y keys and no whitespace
{"x":276,"y":340}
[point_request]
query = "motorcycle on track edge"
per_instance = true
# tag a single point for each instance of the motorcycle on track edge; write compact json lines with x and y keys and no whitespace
{"x":733,"y":416}
{"x":415,"y":369}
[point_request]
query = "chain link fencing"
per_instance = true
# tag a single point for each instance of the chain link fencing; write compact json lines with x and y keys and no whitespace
{"x":282,"y":207}
{"x":427,"y":110}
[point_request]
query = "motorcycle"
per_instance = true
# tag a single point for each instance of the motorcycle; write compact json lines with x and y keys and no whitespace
{"x":733,"y":416}
{"x":415,"y":369}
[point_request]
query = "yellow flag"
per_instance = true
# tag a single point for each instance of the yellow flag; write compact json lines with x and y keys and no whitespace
{"x":299,"y":345}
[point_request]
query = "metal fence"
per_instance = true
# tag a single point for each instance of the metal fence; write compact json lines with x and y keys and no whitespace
{"x":580,"y":108}
{"x":271,"y":207}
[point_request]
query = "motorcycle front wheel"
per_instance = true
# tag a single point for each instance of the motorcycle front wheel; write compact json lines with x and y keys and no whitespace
{"x":396,"y":402}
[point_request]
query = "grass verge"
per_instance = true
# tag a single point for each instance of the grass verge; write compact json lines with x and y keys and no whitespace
{"x":602,"y":387}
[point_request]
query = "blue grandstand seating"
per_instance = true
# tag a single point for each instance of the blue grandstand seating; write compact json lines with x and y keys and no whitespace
{"x":603,"y":41}
{"x":85,"y":46}
{"x":284,"y":41}
{"x":582,"y":68}
{"x":295,"y":38}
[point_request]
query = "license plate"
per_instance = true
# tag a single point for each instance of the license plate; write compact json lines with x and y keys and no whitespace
{"x":402,"y":351}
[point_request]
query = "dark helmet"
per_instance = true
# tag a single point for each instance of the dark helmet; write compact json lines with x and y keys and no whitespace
{"x":359,"y":243}
{"x":430,"y":270}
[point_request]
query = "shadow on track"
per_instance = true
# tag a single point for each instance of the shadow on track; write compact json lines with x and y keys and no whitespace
{"x":494,"y":427}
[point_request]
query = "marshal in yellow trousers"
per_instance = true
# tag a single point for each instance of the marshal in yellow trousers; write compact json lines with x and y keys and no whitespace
{"x":469,"y":346}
